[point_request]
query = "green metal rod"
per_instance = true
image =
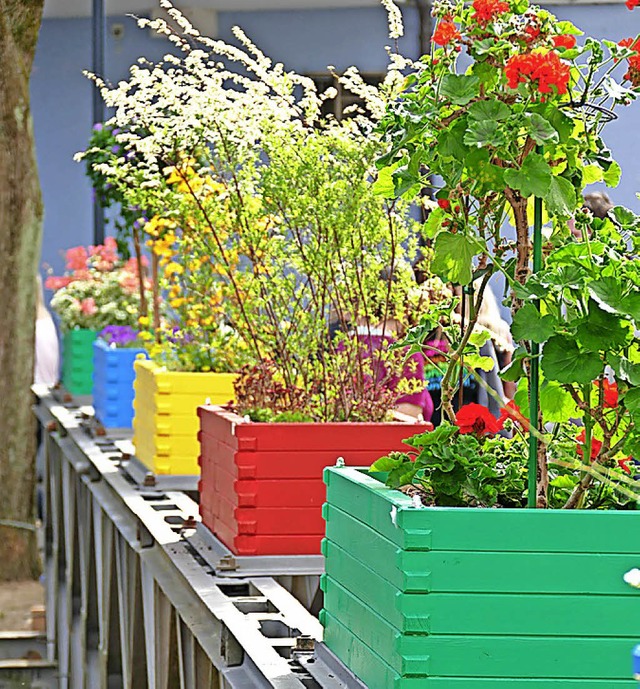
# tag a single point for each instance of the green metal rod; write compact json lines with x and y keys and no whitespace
{"x":534,"y":389}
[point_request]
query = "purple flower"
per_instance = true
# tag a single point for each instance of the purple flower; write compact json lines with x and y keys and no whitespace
{"x":115,"y":149}
{"x":97,"y":127}
{"x":119,"y":335}
{"x":179,"y":337}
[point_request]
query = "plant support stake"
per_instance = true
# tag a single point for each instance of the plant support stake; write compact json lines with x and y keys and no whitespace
{"x":535,"y":365}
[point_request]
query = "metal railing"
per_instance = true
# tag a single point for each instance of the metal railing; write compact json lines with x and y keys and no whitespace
{"x":140,"y":596}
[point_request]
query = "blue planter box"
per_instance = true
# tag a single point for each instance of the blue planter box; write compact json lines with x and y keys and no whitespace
{"x":113,"y":376}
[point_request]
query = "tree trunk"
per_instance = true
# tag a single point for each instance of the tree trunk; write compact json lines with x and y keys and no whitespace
{"x":20,"y":236}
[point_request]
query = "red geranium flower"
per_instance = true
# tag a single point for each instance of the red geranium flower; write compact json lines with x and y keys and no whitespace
{"x":474,"y":418}
{"x":512,"y":411}
{"x":487,"y":10}
{"x":445,"y":204}
{"x":633,"y":73}
{"x":532,"y":32}
{"x":544,"y":69}
{"x":632,"y":3}
{"x":610,"y":394}
{"x":596,"y":445}
{"x":624,"y":465}
{"x":445,"y":32}
{"x":564,"y":41}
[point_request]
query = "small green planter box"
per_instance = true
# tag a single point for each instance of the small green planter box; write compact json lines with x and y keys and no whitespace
{"x":77,"y":361}
{"x":442,"y":598}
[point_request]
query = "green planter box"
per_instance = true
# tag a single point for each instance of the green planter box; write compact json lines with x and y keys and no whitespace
{"x":77,"y":361}
{"x":442,"y":598}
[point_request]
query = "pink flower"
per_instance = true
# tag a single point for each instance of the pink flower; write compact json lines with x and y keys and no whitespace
{"x":56,"y":283}
{"x":106,"y":254}
{"x":88,"y":306}
{"x":77,"y":258}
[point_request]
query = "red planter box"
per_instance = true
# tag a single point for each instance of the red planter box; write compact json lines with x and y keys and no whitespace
{"x":261,"y":488}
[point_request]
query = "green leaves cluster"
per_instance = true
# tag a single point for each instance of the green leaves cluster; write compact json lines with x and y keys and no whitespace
{"x":457,"y":470}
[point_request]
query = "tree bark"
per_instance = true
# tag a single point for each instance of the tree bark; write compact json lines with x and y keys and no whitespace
{"x":20,"y":237}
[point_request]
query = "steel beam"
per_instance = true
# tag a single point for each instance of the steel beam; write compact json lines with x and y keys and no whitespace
{"x":132,"y":604}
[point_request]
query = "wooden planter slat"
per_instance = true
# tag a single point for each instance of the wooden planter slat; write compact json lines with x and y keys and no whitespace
{"x":477,"y":614}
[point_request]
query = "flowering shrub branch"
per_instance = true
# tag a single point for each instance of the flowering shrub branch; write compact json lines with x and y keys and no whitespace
{"x":263,"y":217}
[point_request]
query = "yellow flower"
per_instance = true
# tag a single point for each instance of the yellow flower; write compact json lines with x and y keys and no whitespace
{"x":173,"y":268}
{"x":177,"y":303}
{"x":155,"y":349}
{"x":145,"y":335}
{"x":144,"y":320}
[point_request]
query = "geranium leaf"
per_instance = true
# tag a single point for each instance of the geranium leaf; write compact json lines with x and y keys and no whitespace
{"x":624,"y":217}
{"x":452,"y":261}
{"x":602,"y":331}
{"x":484,"y":110}
{"x":387,"y":463}
{"x":515,"y":370}
{"x":541,"y":130}
{"x":563,"y":361}
{"x":459,"y":89}
{"x":607,"y":292}
{"x":632,"y":402}
{"x":566,"y":27}
{"x":611,"y":176}
{"x":631,"y":306}
{"x":528,"y":324}
{"x":561,"y":197}
{"x":402,"y":476}
{"x":532,"y":179}
{"x":480,"y":168}
{"x":484,"y":133}
{"x":562,"y":124}
{"x":625,"y":369}
{"x":479,"y":337}
{"x":441,"y":434}
{"x":591,"y":174}
{"x":434,"y":222}
{"x":484,"y":363}
{"x":556,"y":403}
{"x":564,"y":481}
{"x":450,"y":140}
{"x":405,"y":180}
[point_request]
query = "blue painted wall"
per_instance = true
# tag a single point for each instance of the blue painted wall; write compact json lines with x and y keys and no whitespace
{"x":305,"y":40}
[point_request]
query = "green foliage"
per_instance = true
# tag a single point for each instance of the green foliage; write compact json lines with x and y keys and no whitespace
{"x":267,"y":225}
{"x":494,"y":136}
{"x":457,"y":470}
{"x":452,"y":261}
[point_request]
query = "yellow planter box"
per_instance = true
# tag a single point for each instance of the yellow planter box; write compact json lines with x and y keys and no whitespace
{"x":165,"y":422}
